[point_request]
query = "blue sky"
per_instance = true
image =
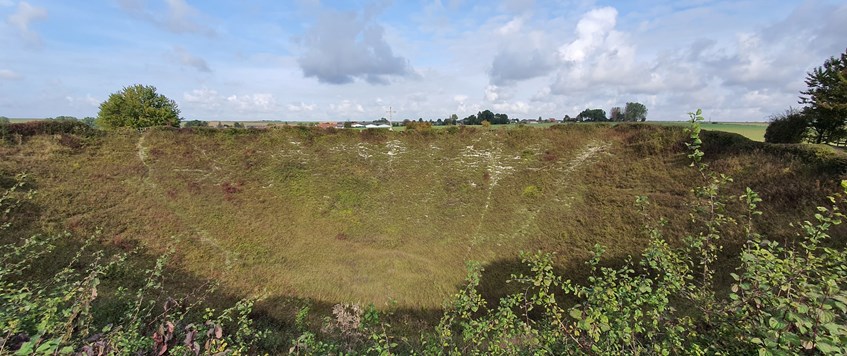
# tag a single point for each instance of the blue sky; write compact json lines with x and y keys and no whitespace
{"x":338,"y":60}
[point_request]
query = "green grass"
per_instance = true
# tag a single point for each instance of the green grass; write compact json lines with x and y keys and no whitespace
{"x":355,"y":217}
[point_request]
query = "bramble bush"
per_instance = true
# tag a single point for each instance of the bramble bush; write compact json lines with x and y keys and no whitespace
{"x":784,"y":298}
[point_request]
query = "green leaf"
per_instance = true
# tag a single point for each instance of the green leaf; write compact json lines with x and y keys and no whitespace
{"x":827,"y":348}
{"x":26,"y":348}
{"x":576,"y":314}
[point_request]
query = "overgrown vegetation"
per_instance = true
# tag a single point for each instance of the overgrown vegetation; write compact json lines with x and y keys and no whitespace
{"x":678,"y":297}
{"x":824,"y":118}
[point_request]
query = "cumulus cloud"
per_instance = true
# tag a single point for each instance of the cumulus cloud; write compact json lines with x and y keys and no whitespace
{"x":523,"y":54}
{"x":187,"y":59}
{"x":87,"y":100}
{"x":23,"y":17}
{"x":177,"y":17}
{"x":347,"y":107}
{"x":9,"y":74}
{"x":252,"y":102}
{"x":591,"y":30}
{"x":205,"y":99}
{"x":344,"y":46}
{"x":205,"y":96}
{"x":300,"y":107}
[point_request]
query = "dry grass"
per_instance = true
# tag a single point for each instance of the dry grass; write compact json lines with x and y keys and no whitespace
{"x":373,"y":217}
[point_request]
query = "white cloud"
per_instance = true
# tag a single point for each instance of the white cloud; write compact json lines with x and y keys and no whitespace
{"x":187,"y":59}
{"x":203,"y":96}
{"x":341,"y":47}
{"x":347,"y":107}
{"x":592,"y":30}
{"x":511,"y":27}
{"x":23,"y":17}
{"x":9,"y":74}
{"x":252,"y":102}
{"x":301,"y":107}
{"x":87,"y":100}
{"x":180,"y":17}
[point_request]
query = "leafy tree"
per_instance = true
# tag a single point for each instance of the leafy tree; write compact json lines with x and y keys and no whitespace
{"x":827,"y":99}
{"x":65,"y":118}
{"x":616,"y":114}
{"x":635,"y":112}
{"x":592,"y":115}
{"x":196,"y":123}
{"x":138,"y":106}
{"x":787,"y":127}
{"x":500,"y":119}
{"x":471,"y":120}
{"x":238,"y":125}
{"x":486,"y":115}
{"x":90,"y":121}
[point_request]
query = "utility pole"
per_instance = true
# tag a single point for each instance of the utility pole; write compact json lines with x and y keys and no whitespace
{"x":389,"y":112}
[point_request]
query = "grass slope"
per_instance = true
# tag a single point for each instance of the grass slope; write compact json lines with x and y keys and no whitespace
{"x":376,"y":216}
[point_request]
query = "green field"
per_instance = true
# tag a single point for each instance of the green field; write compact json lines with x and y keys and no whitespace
{"x":752,"y":130}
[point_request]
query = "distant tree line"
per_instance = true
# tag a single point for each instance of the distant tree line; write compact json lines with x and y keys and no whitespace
{"x":823,"y":118}
{"x":632,"y":112}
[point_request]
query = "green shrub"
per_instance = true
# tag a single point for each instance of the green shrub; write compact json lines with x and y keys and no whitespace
{"x":47,"y":127}
{"x":531,"y":192}
{"x":138,"y":106}
{"x":788,"y":127}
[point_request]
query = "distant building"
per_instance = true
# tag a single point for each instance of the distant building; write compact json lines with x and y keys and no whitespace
{"x":377,"y":126}
{"x":326,"y":125}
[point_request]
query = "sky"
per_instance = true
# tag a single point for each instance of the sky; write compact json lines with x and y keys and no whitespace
{"x":313,"y":60}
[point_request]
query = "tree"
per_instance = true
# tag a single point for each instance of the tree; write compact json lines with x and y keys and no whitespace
{"x":616,"y":114}
{"x":635,"y":112}
{"x":138,"y":106}
{"x":787,"y":127}
{"x":196,"y":123}
{"x":826,"y":98}
{"x":827,"y":125}
{"x":500,"y":119}
{"x":592,"y":115}
{"x":90,"y":121}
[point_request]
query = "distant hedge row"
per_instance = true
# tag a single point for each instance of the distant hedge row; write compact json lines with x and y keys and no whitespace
{"x":45,"y":127}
